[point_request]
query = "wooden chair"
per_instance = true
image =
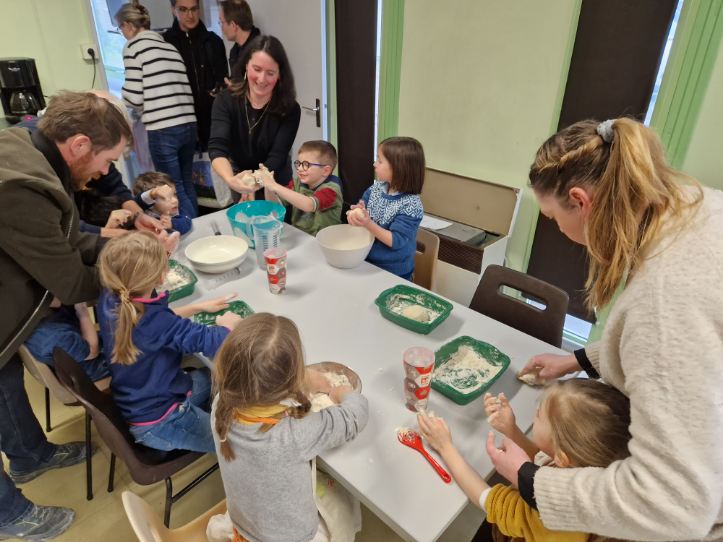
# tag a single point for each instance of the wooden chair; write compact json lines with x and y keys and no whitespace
{"x":425,"y":259}
{"x":149,"y":528}
{"x":145,"y":465}
{"x":46,"y":376}
{"x":546,"y":324}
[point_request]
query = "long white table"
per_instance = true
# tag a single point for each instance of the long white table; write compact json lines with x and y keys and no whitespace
{"x":338,"y":320}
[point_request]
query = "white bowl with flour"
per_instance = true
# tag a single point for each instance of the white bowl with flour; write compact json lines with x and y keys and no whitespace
{"x":217,"y":253}
{"x":345,"y":246}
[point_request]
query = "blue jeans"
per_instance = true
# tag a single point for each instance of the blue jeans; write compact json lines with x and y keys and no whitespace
{"x":62,"y":329}
{"x":172,"y":153}
{"x":21,"y":438}
{"x":186,"y":428}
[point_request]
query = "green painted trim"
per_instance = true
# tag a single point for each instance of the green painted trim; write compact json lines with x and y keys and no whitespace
{"x":331,"y":72}
{"x":574,"y":18}
{"x":693,"y":54}
{"x":390,"y":67}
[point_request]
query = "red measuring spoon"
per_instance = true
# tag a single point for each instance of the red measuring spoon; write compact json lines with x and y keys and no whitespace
{"x":412,"y":439}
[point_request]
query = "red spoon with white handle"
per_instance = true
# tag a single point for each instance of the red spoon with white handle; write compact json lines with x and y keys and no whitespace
{"x":411,"y":438}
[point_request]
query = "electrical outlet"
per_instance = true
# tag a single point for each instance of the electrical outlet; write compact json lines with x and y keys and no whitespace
{"x":85,"y":49}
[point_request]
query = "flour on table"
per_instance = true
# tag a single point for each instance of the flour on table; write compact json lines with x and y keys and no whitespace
{"x":466,"y":371}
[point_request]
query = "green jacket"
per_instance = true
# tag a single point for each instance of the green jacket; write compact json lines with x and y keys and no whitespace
{"x":311,"y":223}
{"x":42,"y":252}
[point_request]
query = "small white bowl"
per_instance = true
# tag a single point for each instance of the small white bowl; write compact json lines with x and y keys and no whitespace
{"x":345,"y":246}
{"x":217,"y":253}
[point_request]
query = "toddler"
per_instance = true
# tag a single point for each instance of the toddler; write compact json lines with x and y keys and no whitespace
{"x":155,"y":192}
{"x":315,"y":195}
{"x":265,"y":435}
{"x":165,"y":406}
{"x":579,"y":423}
{"x":391,"y":208}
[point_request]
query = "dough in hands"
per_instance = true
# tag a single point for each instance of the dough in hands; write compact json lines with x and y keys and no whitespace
{"x":357,"y":213}
{"x":532,"y":379}
{"x":416,"y":312}
{"x":248,"y":180}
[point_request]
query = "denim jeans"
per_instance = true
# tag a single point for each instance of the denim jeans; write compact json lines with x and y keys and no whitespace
{"x":62,"y":329}
{"x":21,"y":438}
{"x":172,"y":153}
{"x":188,"y":427}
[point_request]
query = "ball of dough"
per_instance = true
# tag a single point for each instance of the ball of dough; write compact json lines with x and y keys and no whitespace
{"x":248,"y":180}
{"x":532,"y":379}
{"x":357,"y":213}
{"x":416,"y":312}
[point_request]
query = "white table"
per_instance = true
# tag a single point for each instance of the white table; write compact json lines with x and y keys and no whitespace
{"x":338,"y":321}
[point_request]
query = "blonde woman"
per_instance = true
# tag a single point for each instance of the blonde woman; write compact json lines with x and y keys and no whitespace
{"x":609,"y":187}
{"x":165,"y":406}
{"x":157,"y":87}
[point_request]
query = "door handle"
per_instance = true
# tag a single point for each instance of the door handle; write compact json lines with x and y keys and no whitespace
{"x":316,"y":110}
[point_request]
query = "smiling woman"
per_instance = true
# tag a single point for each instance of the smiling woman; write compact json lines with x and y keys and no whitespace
{"x":255,"y":120}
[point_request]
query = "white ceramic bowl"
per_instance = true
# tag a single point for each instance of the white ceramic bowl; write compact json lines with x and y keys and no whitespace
{"x":217,"y":253}
{"x":345,"y":246}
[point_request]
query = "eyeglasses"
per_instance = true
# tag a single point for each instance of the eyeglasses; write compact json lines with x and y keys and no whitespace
{"x":303,"y":166}
{"x":183,"y":10}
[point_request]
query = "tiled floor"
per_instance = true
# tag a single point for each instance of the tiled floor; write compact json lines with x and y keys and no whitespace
{"x":103,"y":518}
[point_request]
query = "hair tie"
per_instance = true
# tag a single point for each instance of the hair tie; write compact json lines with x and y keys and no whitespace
{"x":605,"y":130}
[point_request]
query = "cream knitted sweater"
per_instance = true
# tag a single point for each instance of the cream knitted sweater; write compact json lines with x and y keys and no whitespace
{"x":663,"y":347}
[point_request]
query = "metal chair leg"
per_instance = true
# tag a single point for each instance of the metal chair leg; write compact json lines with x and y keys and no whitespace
{"x":88,"y":460}
{"x":111,"y":473}
{"x":48,"y":427}
{"x":169,"y":502}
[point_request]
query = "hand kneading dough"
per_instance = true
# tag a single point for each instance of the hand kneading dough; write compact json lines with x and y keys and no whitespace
{"x":532,"y":379}
{"x":248,"y":180}
{"x":358,"y":213}
{"x":416,"y":312}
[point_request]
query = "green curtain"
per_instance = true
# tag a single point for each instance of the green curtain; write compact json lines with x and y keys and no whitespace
{"x":695,"y":47}
{"x":390,"y":67}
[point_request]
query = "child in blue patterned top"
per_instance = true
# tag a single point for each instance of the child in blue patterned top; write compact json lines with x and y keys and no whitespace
{"x":391,"y":208}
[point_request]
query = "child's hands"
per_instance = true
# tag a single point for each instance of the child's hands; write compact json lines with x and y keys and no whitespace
{"x":146,"y":222}
{"x":265,"y":176}
{"x":228,"y":320}
{"x":358,"y":215}
{"x":166,"y":222}
{"x":337,"y":394}
{"x":214,"y":305}
{"x":316,"y":382}
{"x":499,"y":413}
{"x":434,"y":431}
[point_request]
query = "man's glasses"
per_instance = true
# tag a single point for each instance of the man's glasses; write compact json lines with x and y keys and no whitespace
{"x":183,"y":10}
{"x":303,"y":166}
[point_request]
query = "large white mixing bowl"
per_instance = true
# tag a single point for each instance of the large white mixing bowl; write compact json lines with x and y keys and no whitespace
{"x":345,"y":246}
{"x":217,"y":253}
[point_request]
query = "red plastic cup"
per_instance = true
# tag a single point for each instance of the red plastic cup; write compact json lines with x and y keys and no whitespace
{"x":418,"y":368}
{"x":276,"y":269}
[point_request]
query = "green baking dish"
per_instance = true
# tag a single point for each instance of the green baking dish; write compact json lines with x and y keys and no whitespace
{"x":209,"y":318}
{"x":186,"y":282}
{"x":392,"y":300}
{"x":454,"y":384}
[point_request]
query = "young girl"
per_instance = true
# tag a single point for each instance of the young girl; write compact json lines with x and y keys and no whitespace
{"x":163,"y":404}
{"x":579,"y":423}
{"x":391,"y":208}
{"x":264,"y":444}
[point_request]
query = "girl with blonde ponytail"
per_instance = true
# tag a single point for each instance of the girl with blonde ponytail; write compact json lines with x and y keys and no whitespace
{"x":165,"y":407}
{"x":655,"y":235}
{"x":265,"y":435}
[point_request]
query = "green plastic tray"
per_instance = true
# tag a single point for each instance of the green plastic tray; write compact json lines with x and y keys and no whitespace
{"x":489,"y":352}
{"x":185,"y":289}
{"x":401,"y":294}
{"x":209,"y":318}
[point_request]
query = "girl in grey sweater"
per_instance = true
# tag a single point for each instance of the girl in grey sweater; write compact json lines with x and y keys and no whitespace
{"x":265,"y":435}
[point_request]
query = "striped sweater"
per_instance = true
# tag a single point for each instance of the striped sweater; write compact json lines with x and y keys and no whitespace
{"x":156,"y":83}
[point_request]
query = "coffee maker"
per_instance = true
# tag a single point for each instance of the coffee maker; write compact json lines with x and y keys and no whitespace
{"x":20,"y":90}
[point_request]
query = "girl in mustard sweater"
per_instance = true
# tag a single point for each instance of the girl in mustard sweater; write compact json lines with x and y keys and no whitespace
{"x":579,"y":423}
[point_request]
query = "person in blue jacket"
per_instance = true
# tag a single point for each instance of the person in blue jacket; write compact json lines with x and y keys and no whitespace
{"x":166,"y":407}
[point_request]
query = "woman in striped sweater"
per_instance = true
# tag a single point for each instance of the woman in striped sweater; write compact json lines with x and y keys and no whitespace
{"x":157,"y":87}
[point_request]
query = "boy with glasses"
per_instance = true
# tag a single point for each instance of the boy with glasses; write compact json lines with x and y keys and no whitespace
{"x":315,"y":195}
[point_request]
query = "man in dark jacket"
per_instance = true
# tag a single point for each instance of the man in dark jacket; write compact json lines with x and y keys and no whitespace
{"x":204,"y":54}
{"x":44,"y":255}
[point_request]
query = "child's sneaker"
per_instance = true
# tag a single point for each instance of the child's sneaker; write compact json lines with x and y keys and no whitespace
{"x":39,"y":523}
{"x":65,"y":455}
